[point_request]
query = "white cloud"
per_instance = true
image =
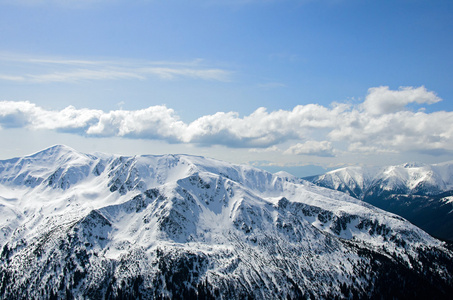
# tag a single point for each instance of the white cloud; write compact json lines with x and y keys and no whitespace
{"x":172,"y":73}
{"x":82,"y":74}
{"x":382,"y":100}
{"x":11,"y":78}
{"x":341,"y":126}
{"x":316,"y":148}
{"x":265,"y":150}
{"x":48,"y":70}
{"x":26,"y":114}
{"x":156,"y":122}
{"x":360,"y":147}
{"x":400,"y":131}
{"x":261,"y":128}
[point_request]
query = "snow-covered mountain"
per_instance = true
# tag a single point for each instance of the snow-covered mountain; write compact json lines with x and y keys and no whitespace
{"x":420,"y":193}
{"x":96,"y":226}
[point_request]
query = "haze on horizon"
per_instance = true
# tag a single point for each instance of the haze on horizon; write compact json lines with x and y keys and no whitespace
{"x":302,"y":86}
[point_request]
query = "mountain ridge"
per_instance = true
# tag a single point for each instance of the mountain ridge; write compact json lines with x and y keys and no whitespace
{"x":418,"y":192}
{"x":178,"y":226}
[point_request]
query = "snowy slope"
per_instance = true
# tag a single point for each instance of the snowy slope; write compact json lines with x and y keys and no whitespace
{"x":415,"y":191}
{"x":175,"y":226}
{"x":418,"y":179}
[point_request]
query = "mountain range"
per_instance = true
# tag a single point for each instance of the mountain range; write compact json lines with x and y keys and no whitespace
{"x":99,"y":226}
{"x":421,"y":193}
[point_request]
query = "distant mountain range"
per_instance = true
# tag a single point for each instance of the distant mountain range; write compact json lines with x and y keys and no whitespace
{"x":421,"y":193}
{"x":99,"y":226}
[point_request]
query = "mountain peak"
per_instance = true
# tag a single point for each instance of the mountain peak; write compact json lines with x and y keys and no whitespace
{"x":55,"y":150}
{"x":413,"y":165}
{"x":60,"y":154}
{"x":194,"y":227}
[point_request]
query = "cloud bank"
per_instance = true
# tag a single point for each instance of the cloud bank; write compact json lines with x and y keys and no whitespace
{"x":323,"y":148}
{"x":381,"y":123}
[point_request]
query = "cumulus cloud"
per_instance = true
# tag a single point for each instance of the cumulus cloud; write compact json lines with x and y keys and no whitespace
{"x":26,"y":114}
{"x":374,"y":126}
{"x":399,"y":131}
{"x":259,"y":129}
{"x":382,"y":100}
{"x":262,"y":128}
{"x":316,"y":148}
{"x":156,"y":122}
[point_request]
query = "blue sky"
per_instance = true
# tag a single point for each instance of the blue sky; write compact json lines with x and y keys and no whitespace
{"x":296,"y":85}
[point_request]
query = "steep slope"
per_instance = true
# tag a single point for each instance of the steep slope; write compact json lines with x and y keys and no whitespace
{"x":177,"y":226}
{"x":417,"y":192}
